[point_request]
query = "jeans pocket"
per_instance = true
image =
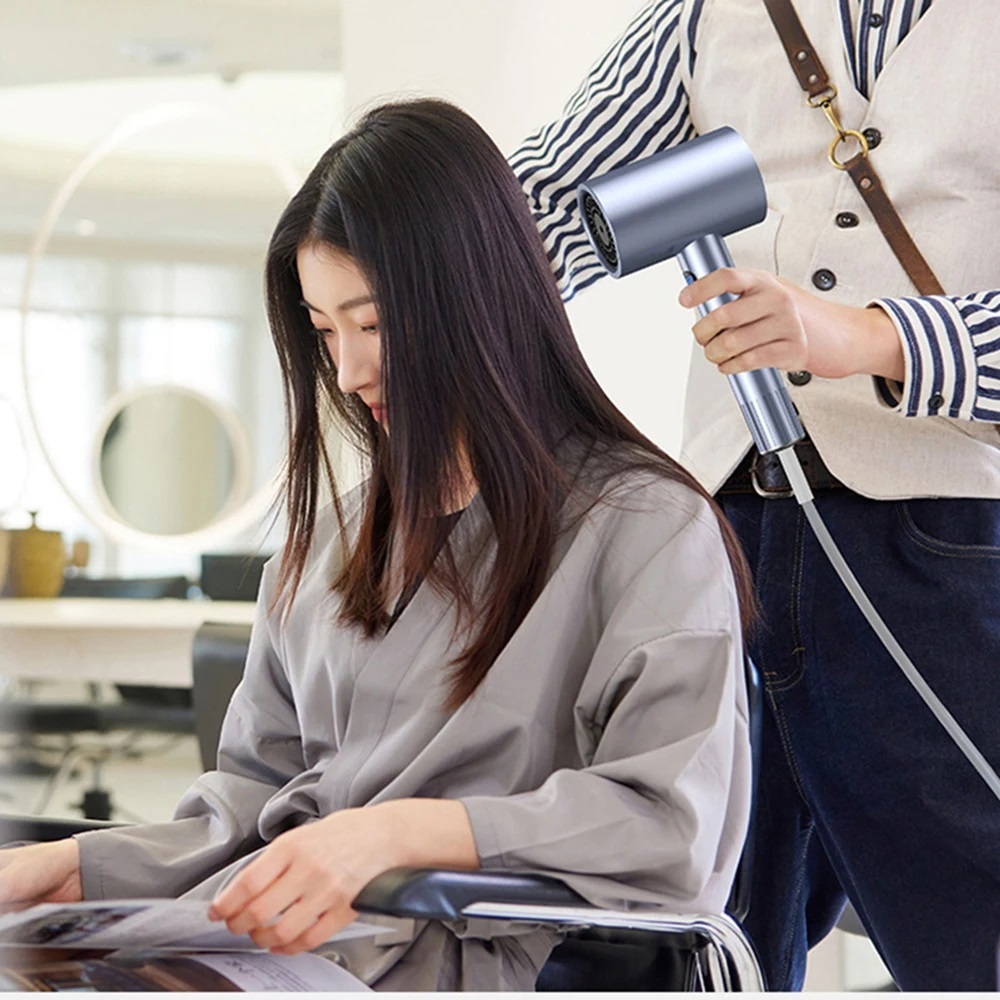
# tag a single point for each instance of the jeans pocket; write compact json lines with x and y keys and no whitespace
{"x":953,"y":527}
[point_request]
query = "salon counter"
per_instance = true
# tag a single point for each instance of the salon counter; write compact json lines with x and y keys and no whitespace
{"x":103,"y":639}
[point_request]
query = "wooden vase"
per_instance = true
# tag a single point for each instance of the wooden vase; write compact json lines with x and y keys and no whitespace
{"x":37,"y":562}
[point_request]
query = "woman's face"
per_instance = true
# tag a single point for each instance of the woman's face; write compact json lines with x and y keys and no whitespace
{"x":342,"y":311}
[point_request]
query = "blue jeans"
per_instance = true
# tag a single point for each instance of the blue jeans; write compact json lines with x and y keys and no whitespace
{"x":861,"y":790}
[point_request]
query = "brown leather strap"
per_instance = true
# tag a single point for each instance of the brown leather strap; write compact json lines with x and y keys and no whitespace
{"x":868,"y":183}
{"x":801,"y":54}
{"x":814,"y":81}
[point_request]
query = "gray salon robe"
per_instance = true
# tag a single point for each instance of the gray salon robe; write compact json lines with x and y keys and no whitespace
{"x":608,"y":745}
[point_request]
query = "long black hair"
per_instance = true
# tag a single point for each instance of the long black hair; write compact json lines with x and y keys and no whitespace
{"x":478,"y":359}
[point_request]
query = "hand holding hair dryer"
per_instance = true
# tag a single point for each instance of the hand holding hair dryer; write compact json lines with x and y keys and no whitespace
{"x":681,"y":203}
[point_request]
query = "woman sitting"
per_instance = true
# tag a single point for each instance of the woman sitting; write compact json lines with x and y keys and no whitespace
{"x":517,"y":644}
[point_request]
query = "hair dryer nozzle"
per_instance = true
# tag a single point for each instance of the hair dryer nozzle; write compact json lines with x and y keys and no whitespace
{"x":650,"y":210}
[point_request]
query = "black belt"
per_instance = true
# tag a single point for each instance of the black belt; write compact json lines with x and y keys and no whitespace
{"x":763,"y":474}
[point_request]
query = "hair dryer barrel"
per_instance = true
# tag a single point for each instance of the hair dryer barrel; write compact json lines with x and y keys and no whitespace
{"x":650,"y":210}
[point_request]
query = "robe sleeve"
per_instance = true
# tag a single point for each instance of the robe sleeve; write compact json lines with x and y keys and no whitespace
{"x":657,"y":814}
{"x":216,"y":821}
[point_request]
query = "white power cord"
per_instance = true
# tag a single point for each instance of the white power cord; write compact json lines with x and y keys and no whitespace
{"x":804,"y":495}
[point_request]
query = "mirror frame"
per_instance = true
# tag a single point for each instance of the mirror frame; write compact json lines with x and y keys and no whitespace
{"x":256,"y":507}
{"x":232,"y":424}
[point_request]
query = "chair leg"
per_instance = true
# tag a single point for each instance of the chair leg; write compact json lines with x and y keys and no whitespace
{"x":96,"y":801}
{"x":96,"y":804}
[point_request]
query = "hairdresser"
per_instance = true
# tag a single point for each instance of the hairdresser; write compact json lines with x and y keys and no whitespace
{"x":892,"y":355}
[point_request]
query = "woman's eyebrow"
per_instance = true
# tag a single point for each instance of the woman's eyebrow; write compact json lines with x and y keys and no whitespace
{"x":360,"y":300}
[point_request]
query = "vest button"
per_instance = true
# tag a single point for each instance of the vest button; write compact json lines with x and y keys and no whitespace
{"x":872,"y":136}
{"x":847,"y":220}
{"x":824,"y":279}
{"x":876,"y":20}
{"x":800,"y":378}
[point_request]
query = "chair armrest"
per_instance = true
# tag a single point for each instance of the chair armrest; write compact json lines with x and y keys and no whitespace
{"x":62,"y":717}
{"x":439,"y":894}
{"x":39,"y":828}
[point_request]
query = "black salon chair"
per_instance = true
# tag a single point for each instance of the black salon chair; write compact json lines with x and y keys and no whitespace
{"x":603,"y":950}
{"x":231,"y":576}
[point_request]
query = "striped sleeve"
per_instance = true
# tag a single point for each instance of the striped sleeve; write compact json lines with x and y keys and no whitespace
{"x":951,"y":346}
{"x":631,"y":104}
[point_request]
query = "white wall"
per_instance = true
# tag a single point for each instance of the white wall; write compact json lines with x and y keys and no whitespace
{"x":512,"y":64}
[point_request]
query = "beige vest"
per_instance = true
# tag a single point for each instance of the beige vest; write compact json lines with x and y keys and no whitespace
{"x":936,"y":105}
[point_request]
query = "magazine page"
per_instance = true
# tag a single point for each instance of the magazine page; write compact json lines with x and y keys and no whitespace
{"x":266,"y":973}
{"x":174,"y":924}
{"x":72,"y":970}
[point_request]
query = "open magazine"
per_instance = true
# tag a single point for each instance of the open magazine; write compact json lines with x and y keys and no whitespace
{"x":152,"y":945}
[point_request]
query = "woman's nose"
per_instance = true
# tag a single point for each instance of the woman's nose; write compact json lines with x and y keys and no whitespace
{"x":357,"y":368}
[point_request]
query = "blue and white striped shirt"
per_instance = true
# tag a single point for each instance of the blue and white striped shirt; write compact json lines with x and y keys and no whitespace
{"x":633,"y":104}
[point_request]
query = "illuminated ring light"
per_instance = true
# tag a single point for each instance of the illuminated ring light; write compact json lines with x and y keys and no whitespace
{"x":256,"y":507}
{"x":22,"y":442}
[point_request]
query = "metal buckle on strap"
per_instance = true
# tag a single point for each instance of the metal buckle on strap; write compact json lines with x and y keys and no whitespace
{"x":824,"y":101}
{"x":779,"y":493}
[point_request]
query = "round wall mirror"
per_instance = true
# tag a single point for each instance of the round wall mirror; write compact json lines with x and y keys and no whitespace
{"x":159,"y":310}
{"x":170,"y":461}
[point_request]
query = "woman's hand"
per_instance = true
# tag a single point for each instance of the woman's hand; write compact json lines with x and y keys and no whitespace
{"x":309,"y":876}
{"x":41,"y":873}
{"x":776,"y":324}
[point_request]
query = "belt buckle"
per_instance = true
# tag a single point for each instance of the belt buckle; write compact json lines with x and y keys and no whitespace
{"x":782,"y":493}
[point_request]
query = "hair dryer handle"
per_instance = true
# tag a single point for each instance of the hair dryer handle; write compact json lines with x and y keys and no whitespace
{"x":763,"y":399}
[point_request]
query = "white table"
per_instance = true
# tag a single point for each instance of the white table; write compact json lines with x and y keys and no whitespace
{"x":107,"y":639}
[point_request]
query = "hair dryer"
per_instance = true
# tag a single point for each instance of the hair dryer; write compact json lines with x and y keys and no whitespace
{"x":681,"y":203}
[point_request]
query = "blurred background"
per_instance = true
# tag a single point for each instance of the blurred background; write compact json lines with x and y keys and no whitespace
{"x":145,"y":153}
